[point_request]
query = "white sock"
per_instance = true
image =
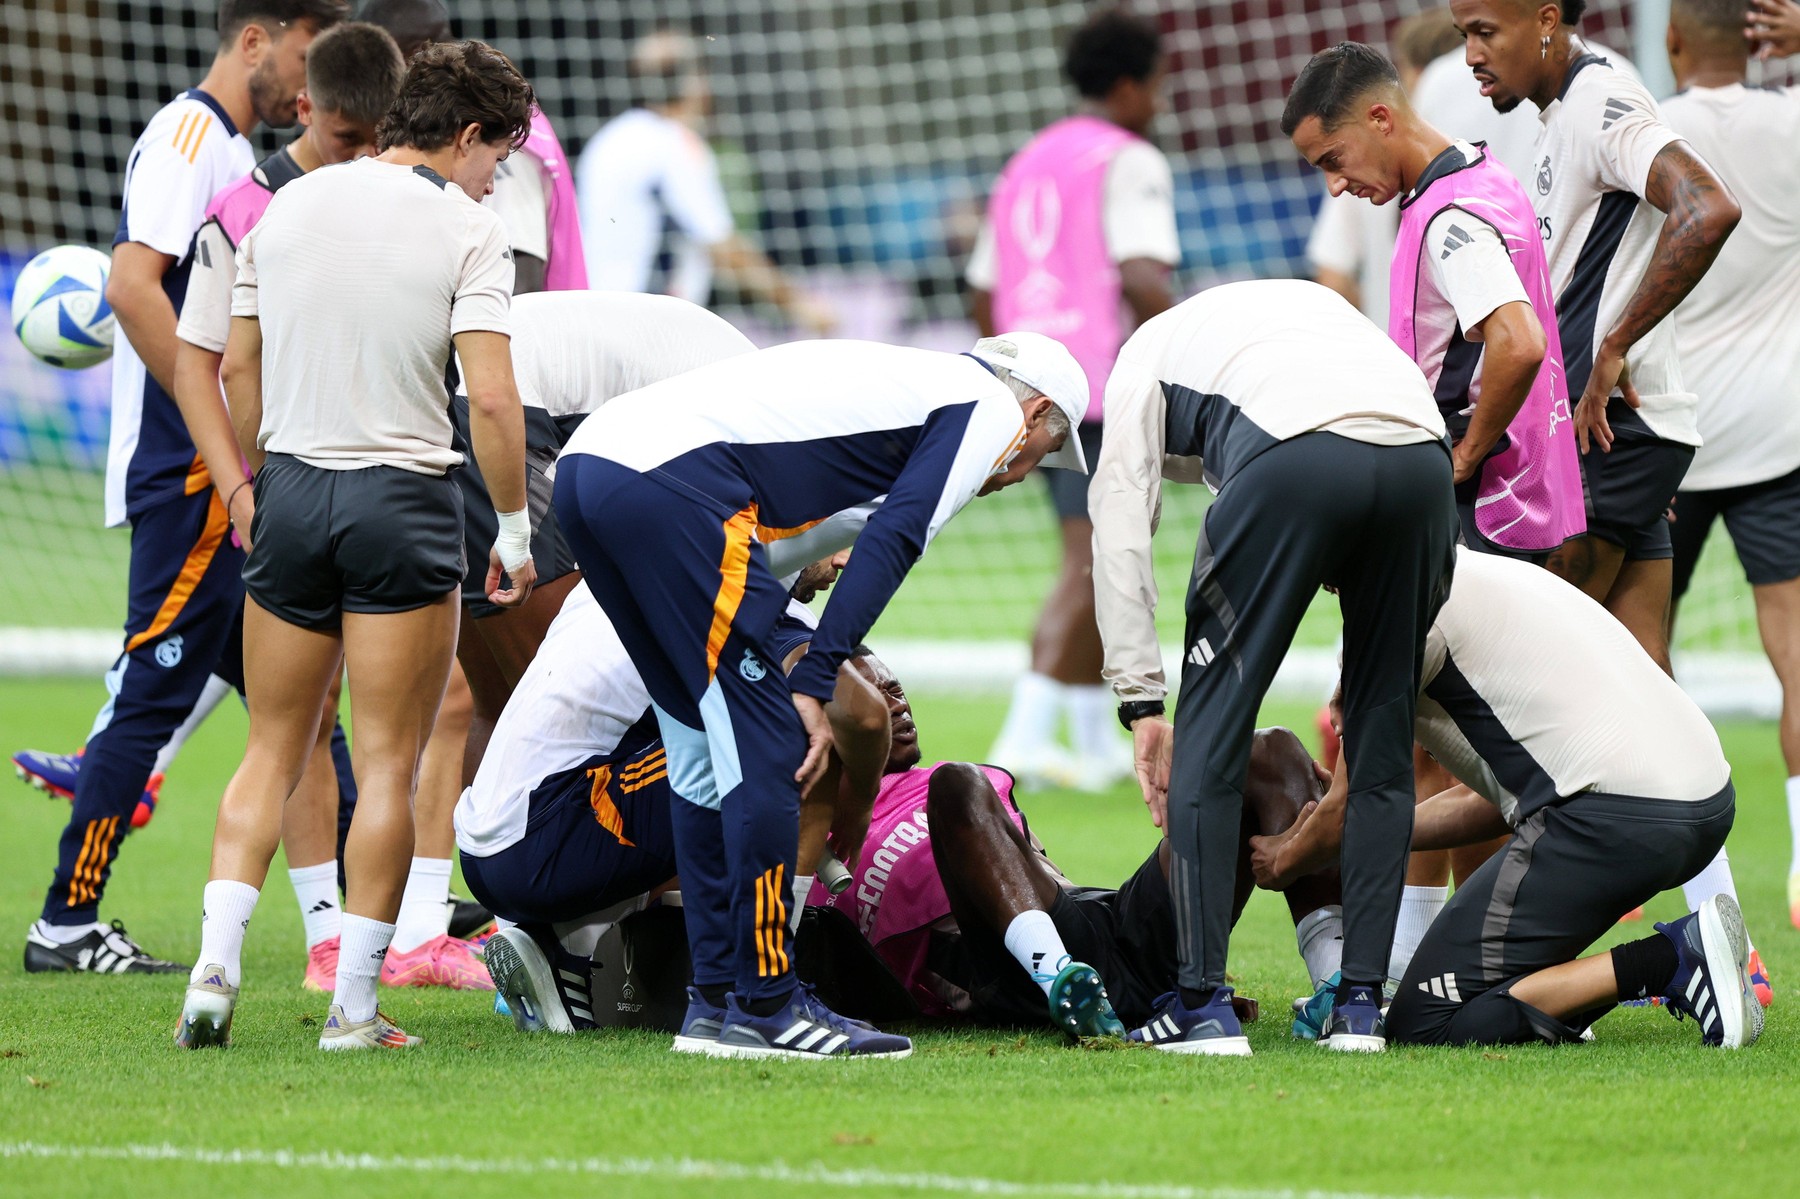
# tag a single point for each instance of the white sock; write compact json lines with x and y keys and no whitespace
{"x":424,"y":906}
{"x":316,"y":889}
{"x":359,"y":965}
{"x":803,"y":884}
{"x":1094,"y":721}
{"x":64,"y":934}
{"x":1419,"y":906}
{"x":215,"y":690}
{"x":1320,"y":935}
{"x":225,"y":908}
{"x":1793,"y":794}
{"x":580,"y":938}
{"x":1032,"y":939}
{"x":1037,"y":705}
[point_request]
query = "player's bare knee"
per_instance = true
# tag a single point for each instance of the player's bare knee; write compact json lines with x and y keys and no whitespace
{"x":1280,"y":780}
{"x":959,"y":797}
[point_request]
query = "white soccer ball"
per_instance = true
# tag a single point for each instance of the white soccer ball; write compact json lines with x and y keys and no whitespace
{"x":59,"y":307}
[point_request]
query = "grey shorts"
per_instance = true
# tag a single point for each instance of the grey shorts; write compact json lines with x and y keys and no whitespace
{"x":1762,"y":518}
{"x":1069,"y":488}
{"x":375,"y":539}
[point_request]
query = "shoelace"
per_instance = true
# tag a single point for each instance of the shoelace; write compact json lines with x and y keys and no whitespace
{"x":1040,"y":977}
{"x":815,"y":1010}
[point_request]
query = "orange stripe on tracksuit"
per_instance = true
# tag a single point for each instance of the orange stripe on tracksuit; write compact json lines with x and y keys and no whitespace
{"x":606,"y":812}
{"x":218,"y":524}
{"x":96,"y":851}
{"x":734,"y":572}
{"x":771,"y":923}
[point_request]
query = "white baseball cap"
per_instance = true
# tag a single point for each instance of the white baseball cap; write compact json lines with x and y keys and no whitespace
{"x":1046,"y":364}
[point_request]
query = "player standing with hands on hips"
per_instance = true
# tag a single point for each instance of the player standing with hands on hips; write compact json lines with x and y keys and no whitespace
{"x":335,"y":380}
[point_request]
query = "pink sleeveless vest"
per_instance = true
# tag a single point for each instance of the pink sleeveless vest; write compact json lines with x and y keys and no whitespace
{"x":1053,"y":273}
{"x":1528,"y":495}
{"x":895,"y":895}
{"x":240,"y":205}
{"x":566,"y":268}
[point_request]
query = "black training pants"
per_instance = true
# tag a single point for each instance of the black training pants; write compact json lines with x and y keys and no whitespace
{"x":1379,"y":524}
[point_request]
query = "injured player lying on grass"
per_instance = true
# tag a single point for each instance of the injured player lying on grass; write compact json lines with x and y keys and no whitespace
{"x":1611,"y":781}
{"x":957,"y":899}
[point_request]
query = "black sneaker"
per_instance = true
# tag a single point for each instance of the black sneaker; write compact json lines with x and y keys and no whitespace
{"x":102,"y":951}
{"x":468,"y":918}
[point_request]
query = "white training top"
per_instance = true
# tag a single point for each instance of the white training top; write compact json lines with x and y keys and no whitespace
{"x":188,"y":151}
{"x":1203,"y":388}
{"x":1138,"y":212}
{"x":1533,"y":692}
{"x":1738,"y":331}
{"x":641,"y":169}
{"x":371,"y":269}
{"x":1356,"y":238}
{"x":1593,"y":165}
{"x":573,"y":351}
{"x":521,"y":197}
{"x":1468,"y":274}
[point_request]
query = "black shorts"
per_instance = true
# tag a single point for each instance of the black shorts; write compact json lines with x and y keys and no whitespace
{"x":1128,"y":935}
{"x":550,"y":554}
{"x":1629,"y":488}
{"x":1762,"y":518}
{"x":1069,"y":488}
{"x":1568,"y":874}
{"x":374,"y":539}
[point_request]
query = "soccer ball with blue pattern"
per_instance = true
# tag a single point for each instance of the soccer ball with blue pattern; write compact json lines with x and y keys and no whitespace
{"x":59,"y":307}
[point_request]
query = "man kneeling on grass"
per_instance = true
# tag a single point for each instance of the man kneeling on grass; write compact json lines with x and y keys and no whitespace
{"x":1612,"y":782}
{"x":965,"y":907}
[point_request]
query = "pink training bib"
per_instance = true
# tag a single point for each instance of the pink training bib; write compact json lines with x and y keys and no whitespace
{"x":566,"y":268}
{"x":1529,"y":494}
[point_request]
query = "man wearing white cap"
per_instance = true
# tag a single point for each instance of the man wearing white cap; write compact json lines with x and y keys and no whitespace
{"x":1327,"y":452}
{"x":676,"y":500}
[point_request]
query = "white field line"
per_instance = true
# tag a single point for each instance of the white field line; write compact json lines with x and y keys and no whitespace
{"x":670,"y":1169}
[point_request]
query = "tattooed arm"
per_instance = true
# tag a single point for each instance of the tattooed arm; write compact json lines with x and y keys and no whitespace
{"x":1701,"y":215}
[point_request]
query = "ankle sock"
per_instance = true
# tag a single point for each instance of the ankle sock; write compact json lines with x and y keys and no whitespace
{"x":1644,"y":968}
{"x":1194,"y":1000}
{"x":713,"y":993}
{"x":225,"y":909}
{"x":425,"y":904}
{"x":65,"y":934}
{"x":1033,"y":941}
{"x":768,"y":1005}
{"x":315,"y":887}
{"x":365,"y":944}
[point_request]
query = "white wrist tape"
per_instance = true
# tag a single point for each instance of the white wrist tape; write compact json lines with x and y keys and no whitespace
{"x":514,"y":541}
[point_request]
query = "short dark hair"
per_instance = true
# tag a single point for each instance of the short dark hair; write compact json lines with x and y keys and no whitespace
{"x":414,"y":23}
{"x":1572,"y":10}
{"x":1331,"y":82}
{"x":354,"y":70}
{"x":1424,"y":37}
{"x":1715,"y":17}
{"x":1111,"y":45}
{"x":321,"y":14}
{"x":450,"y":85}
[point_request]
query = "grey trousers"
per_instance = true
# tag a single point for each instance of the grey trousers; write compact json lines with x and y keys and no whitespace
{"x":1379,"y":524}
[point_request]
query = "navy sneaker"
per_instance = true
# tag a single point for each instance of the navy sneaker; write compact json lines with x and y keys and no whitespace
{"x":1712,"y":974}
{"x":540,"y":995}
{"x":1079,"y":1006}
{"x":804,"y":1028}
{"x":700,"y":1026}
{"x":1357,"y":1025}
{"x":1212,"y":1029}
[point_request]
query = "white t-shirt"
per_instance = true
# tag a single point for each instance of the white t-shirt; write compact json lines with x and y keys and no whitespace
{"x":523,"y":203}
{"x":1601,"y":136}
{"x":1288,"y":356}
{"x":188,"y":151}
{"x":1356,"y":238}
{"x":371,"y":269}
{"x":1532,"y":691}
{"x":641,"y":169}
{"x":574,"y":350}
{"x":1468,"y":274}
{"x":1138,"y":211}
{"x":1738,"y":331}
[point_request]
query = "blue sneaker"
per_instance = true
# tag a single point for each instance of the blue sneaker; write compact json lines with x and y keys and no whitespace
{"x":1357,"y":1025}
{"x":55,"y":775}
{"x":1212,"y":1029}
{"x":1312,"y":1015}
{"x":1079,"y":1006}
{"x":804,"y":1028}
{"x":700,"y":1027}
{"x":1712,"y":974}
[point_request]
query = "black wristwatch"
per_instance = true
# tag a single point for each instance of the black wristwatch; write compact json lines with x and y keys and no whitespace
{"x":1137,"y":709}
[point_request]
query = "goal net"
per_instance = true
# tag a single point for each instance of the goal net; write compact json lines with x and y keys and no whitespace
{"x":858,"y":138}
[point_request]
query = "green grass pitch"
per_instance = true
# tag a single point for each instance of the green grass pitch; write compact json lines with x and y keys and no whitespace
{"x":94,"y":1100}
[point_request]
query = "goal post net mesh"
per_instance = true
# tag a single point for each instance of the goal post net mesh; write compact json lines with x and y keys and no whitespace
{"x":858,"y":139}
